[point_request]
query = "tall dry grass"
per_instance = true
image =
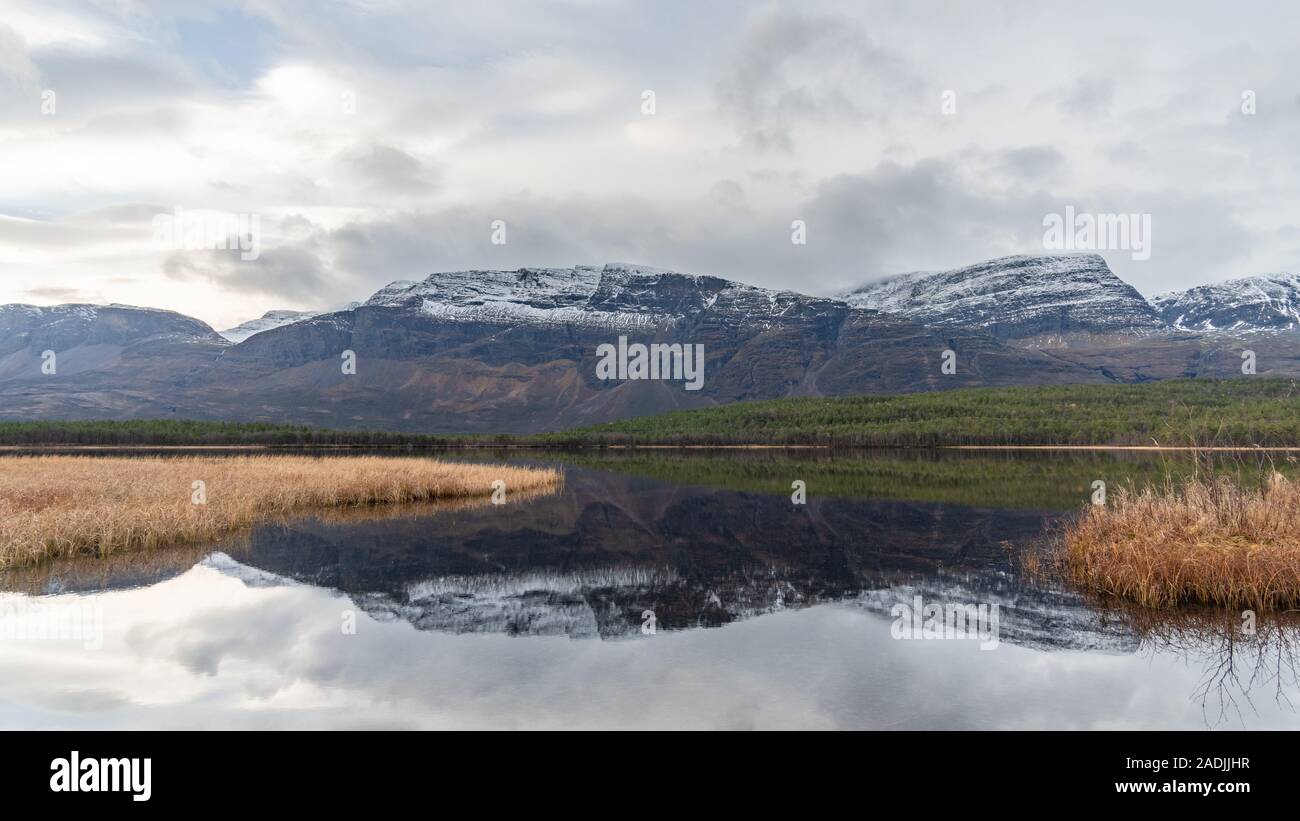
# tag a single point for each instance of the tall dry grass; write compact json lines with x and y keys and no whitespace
{"x":62,"y":506}
{"x":1209,"y":540}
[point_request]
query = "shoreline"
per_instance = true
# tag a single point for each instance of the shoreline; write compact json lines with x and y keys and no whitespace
{"x":443,"y":448}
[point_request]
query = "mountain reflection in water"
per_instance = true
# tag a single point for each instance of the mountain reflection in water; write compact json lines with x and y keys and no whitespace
{"x":590,"y":563}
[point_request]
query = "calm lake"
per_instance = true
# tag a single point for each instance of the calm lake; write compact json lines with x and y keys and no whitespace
{"x":656,"y":590}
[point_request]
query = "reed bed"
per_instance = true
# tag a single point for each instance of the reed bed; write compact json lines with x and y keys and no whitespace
{"x":62,"y":506}
{"x":1209,"y":540}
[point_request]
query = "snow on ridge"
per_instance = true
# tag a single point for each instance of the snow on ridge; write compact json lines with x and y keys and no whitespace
{"x":1265,"y":302}
{"x":251,"y":576}
{"x":267,"y":321}
{"x":621,"y":296}
{"x":1026,"y":294}
{"x":276,"y":319}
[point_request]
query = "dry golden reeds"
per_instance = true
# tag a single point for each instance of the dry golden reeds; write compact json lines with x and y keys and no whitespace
{"x":1209,"y":541}
{"x":60,"y":506}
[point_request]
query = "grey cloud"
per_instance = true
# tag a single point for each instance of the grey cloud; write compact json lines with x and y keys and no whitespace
{"x":791,"y":68}
{"x":923,"y":216}
{"x":1089,"y":96}
{"x":1195,"y":238}
{"x":20,"y":79}
{"x":893,"y":218}
{"x":385,"y":170}
{"x":16,"y":66}
{"x":1030,"y":163}
{"x":125,"y":214}
{"x":64,"y":295}
{"x":294,"y":273}
{"x":94,"y":226}
{"x":94,"y":81}
{"x":730,"y":194}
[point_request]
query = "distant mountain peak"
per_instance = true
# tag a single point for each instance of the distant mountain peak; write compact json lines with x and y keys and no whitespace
{"x":615,"y":295}
{"x":1017,"y":297}
{"x":275,"y":319}
{"x":1267,"y":302}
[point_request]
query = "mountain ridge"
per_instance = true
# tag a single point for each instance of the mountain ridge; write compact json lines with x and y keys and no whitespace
{"x":1265,"y":302}
{"x":484,"y":351}
{"x":1018,"y":297}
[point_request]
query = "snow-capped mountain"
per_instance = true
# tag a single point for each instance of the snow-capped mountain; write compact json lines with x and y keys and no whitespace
{"x":63,"y":326}
{"x":516,"y":351}
{"x":1018,"y":297}
{"x":1269,"y":302}
{"x":110,"y":361}
{"x":267,"y":321}
{"x":274,"y":319}
{"x":617,"y":296}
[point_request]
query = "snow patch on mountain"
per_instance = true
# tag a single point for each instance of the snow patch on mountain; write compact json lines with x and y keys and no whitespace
{"x":251,"y":576}
{"x":1016,"y":297}
{"x":275,"y":319}
{"x":618,"y":296}
{"x":1268,"y":302}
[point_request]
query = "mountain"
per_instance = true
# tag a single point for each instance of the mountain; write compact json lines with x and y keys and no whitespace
{"x":519,"y":351}
{"x":63,"y":327}
{"x":267,"y":321}
{"x":1270,"y":302}
{"x":272,"y":319}
{"x":1050,"y":299}
{"x":489,"y":351}
{"x":110,"y":361}
{"x":486,"y":351}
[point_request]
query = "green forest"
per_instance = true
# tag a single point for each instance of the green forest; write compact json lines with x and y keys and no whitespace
{"x":1253,"y":411}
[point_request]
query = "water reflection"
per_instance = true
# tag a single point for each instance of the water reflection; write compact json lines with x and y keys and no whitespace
{"x":592,"y":560}
{"x":254,"y":624}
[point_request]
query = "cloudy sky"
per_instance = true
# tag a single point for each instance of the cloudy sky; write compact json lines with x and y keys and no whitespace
{"x":377,"y":140}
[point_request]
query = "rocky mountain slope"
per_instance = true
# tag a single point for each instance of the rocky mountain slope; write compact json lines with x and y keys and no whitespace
{"x":486,"y":351}
{"x":109,"y":360}
{"x":1047,"y":298}
{"x":273,"y":319}
{"x":516,"y":351}
{"x":265,"y":322}
{"x":1270,"y":302}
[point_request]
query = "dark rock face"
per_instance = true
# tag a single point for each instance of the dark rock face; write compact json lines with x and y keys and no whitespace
{"x":1047,"y":298}
{"x":1264,"y":303}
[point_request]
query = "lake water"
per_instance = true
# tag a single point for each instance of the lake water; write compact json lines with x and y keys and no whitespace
{"x":656,"y":590}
